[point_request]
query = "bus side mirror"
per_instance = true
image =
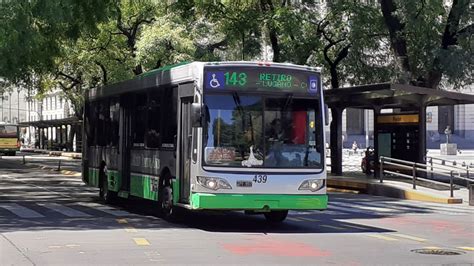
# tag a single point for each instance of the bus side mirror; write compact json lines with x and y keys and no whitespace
{"x":326,"y":115}
{"x":196,"y":115}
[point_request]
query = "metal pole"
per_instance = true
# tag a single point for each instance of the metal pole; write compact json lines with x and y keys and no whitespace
{"x":431,"y":162}
{"x":467,"y":176}
{"x":451,"y":184}
{"x":59,"y":165}
{"x":24,"y":161}
{"x":366,"y":126}
{"x":10,"y":108}
{"x":18,"y":107}
{"x":381,"y":169}
{"x":414,"y":176}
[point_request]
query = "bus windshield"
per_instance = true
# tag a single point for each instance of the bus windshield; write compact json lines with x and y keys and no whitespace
{"x":8,"y":131}
{"x":262,"y":131}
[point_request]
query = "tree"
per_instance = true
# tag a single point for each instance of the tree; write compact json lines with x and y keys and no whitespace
{"x":33,"y":30}
{"x":431,"y":41}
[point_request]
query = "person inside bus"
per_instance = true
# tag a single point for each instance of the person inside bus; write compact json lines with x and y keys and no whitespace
{"x":276,"y":137}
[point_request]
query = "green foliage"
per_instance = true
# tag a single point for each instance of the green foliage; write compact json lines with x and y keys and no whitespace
{"x":33,"y":30}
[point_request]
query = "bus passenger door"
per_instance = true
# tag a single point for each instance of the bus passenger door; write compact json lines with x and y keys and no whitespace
{"x":184,"y":151}
{"x":125,"y":139}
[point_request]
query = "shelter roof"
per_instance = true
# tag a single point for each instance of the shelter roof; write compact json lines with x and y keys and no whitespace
{"x":388,"y":95}
{"x":52,"y":123}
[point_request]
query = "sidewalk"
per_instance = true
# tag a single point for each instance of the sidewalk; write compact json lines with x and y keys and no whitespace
{"x":74,"y":155}
{"x":397,"y":189}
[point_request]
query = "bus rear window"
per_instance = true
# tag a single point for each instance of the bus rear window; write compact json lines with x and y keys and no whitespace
{"x":8,"y":131}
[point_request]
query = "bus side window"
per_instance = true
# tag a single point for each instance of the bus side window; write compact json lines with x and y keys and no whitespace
{"x":139,"y":119}
{"x":92,"y":124}
{"x":169,"y":113}
{"x":153,"y":133}
{"x":114,"y":122}
{"x":103,"y":122}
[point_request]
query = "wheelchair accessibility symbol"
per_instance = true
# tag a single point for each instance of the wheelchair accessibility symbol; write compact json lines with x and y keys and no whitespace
{"x":214,"y":80}
{"x":214,"y":83}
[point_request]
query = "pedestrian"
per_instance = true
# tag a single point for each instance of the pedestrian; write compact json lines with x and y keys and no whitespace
{"x":355,"y":146}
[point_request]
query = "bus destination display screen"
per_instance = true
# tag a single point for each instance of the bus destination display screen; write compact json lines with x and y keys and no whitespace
{"x":261,"y":79}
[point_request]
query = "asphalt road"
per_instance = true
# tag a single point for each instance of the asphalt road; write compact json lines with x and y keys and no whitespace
{"x":52,"y":219}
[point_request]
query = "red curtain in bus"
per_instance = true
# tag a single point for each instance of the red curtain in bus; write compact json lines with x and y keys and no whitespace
{"x":299,"y":127}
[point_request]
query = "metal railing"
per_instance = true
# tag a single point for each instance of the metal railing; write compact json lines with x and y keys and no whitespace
{"x":448,"y":164}
{"x":419,"y":167}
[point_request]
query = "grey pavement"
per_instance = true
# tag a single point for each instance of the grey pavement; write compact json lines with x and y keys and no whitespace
{"x":52,"y":219}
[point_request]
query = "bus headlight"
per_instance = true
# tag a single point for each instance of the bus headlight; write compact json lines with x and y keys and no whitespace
{"x":213,"y":183}
{"x":312,"y":184}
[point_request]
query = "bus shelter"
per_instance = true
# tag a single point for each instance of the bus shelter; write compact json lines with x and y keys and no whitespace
{"x":57,"y":134}
{"x":409,"y":121}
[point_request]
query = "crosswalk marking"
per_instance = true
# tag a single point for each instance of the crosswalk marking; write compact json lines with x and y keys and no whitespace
{"x":64,"y":210}
{"x":294,"y":219}
{"x":20,"y":211}
{"x":122,"y":221}
{"x":414,"y":238}
{"x":141,"y":242}
{"x":383,"y":237}
{"x":104,"y":208}
{"x":130,"y":229}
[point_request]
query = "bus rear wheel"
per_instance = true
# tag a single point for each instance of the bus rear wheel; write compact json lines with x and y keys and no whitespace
{"x":276,"y":216}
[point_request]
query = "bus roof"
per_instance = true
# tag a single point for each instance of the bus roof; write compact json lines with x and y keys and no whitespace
{"x":178,"y":73}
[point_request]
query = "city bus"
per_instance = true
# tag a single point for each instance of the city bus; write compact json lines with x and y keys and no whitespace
{"x":9,"y":139}
{"x":210,"y":136}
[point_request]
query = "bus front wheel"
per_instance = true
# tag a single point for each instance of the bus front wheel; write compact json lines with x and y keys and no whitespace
{"x":107,"y":195}
{"x":276,"y":216}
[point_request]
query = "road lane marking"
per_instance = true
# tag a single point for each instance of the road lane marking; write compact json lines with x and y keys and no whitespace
{"x":63,"y":210}
{"x":130,"y":229}
{"x":122,"y":221}
{"x":309,"y":219}
{"x":20,"y":211}
{"x":104,"y":208}
{"x":141,"y":242}
{"x":414,"y":238}
{"x":294,"y":219}
{"x":332,"y":227}
{"x":355,"y":226}
{"x":432,"y":247}
{"x":467,"y":248}
{"x":383,"y":237}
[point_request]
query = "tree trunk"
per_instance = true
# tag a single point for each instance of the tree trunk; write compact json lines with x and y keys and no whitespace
{"x":336,"y":141}
{"x":397,"y":39}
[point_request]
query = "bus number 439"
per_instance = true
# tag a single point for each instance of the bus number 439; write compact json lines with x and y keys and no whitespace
{"x":260,"y":179}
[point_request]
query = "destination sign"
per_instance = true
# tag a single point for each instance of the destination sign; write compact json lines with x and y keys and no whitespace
{"x":261,"y":79}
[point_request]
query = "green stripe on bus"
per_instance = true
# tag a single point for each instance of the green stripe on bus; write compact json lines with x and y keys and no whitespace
{"x":141,"y":186}
{"x":258,"y":202}
{"x":114,"y":180}
{"x":93,"y":177}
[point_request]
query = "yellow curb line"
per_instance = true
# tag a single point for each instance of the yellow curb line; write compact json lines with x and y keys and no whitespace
{"x":467,"y":248}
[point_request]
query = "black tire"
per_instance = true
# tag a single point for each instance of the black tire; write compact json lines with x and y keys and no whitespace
{"x":276,"y":216}
{"x":168,"y":210}
{"x":106,"y":195}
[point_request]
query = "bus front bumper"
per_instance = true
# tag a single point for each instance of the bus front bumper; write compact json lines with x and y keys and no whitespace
{"x":264,"y":202}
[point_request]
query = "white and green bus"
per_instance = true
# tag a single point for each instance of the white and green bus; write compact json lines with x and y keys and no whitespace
{"x":211,"y":136}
